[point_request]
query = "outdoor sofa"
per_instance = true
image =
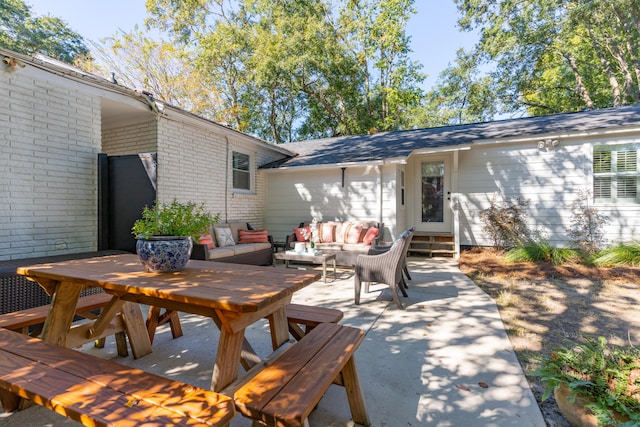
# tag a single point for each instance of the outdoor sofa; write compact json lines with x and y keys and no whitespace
{"x":346,"y":239}
{"x":235,"y":242}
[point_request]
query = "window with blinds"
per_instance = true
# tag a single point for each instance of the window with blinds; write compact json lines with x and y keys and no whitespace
{"x":615,"y":173}
{"x":241,"y":171}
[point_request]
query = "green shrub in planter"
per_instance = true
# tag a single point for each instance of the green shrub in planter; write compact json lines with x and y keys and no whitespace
{"x":174,"y":219}
{"x":606,"y":376}
{"x":166,"y":233}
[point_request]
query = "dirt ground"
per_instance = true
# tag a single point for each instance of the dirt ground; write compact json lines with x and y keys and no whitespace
{"x":544,"y":307}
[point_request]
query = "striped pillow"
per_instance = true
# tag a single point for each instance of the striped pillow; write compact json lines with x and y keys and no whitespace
{"x":253,"y":236}
{"x":207,"y":240}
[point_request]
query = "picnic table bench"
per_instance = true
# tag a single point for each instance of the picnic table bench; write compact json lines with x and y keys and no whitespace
{"x":22,"y":320}
{"x":284,"y":392}
{"x":99,"y":392}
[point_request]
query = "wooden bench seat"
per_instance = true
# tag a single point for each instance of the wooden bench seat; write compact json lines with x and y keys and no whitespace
{"x":286,"y":391}
{"x":310,"y":317}
{"x":99,"y":392}
{"x":23,"y":319}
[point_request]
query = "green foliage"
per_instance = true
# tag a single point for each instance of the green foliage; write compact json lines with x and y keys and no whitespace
{"x":551,"y":56}
{"x":541,"y":251}
{"x":586,"y":230}
{"x":174,"y":219}
{"x":618,"y":255}
{"x":607,"y":374}
{"x":24,"y":33}
{"x":504,"y":223}
{"x":297,"y":69}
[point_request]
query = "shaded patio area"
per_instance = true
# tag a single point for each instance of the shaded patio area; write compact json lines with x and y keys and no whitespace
{"x":443,"y":361}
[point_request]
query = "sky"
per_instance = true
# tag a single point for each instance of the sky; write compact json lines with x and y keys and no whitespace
{"x":435,"y":37}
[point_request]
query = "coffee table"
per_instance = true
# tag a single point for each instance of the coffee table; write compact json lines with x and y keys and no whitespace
{"x":314,"y":258}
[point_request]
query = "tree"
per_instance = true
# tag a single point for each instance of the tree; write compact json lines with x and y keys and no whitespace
{"x":21,"y":32}
{"x":461,"y":96}
{"x":165,"y":70}
{"x":558,"y":55}
{"x":301,"y":69}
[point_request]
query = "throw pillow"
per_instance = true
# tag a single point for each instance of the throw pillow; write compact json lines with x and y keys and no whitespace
{"x":352,"y":234}
{"x":372,"y":232}
{"x":257,"y":236}
{"x":342,"y":231}
{"x":207,"y":240}
{"x":326,"y":232}
{"x":224,"y":236}
{"x":302,"y":234}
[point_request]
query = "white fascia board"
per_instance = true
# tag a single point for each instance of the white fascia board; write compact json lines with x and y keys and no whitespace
{"x":581,"y":134}
{"x":327,"y":166}
{"x":436,"y":150}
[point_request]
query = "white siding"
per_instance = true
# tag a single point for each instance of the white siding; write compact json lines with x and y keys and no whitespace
{"x":297,"y":196}
{"x":550,"y":180}
{"x":49,"y":140}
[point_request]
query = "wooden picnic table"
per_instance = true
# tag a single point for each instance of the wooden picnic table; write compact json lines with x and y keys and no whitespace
{"x":233,"y":295}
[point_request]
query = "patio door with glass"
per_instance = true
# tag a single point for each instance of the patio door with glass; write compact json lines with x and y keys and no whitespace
{"x":433,"y":190}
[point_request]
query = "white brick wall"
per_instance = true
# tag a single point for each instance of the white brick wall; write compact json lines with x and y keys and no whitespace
{"x":49,"y":140}
{"x":132,"y":139}
{"x":194,"y":164}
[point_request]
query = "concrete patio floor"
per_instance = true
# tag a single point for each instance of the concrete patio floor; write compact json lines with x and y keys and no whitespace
{"x":443,"y":361}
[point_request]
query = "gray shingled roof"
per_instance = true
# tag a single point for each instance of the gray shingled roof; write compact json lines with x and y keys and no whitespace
{"x":388,"y":145}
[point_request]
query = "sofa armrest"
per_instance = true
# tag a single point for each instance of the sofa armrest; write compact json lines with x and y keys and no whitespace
{"x":200,"y":251}
{"x":290,"y":240}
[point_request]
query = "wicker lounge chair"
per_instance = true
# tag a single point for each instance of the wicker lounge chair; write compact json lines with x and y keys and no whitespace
{"x":386,"y":268}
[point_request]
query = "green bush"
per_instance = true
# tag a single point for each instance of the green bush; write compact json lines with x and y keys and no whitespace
{"x":608,"y":375}
{"x":620,"y":254}
{"x":542,"y":251}
{"x":174,"y":219}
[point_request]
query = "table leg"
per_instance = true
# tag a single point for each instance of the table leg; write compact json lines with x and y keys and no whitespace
{"x":279,"y":327}
{"x":324,"y":270}
{"x":136,"y":329}
{"x":334,"y":270}
{"x":61,"y":313}
{"x":225,"y":370}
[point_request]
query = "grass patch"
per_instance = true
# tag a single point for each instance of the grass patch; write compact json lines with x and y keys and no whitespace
{"x":619,"y":255}
{"x":541,"y":251}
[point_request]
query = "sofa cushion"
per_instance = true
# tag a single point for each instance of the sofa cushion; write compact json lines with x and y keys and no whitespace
{"x":249,"y":247}
{"x":207,"y":240}
{"x":302,"y":234}
{"x":326,"y":232}
{"x":221,"y":252}
{"x":257,"y":236}
{"x":329,"y":246}
{"x":356,"y":247}
{"x":224,"y":236}
{"x":235,"y":228}
{"x":353,"y":233}
{"x":371,"y":234}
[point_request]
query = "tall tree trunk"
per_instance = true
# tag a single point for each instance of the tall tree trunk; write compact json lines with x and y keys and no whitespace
{"x":604,"y":60}
{"x":582,"y":89}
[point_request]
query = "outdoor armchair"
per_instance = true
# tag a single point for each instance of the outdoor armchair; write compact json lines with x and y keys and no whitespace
{"x":386,"y":267}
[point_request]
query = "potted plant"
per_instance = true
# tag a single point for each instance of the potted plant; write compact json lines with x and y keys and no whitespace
{"x":595,"y":384}
{"x":166,"y":231}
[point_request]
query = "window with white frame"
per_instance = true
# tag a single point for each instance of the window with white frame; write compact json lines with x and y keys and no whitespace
{"x":616,"y":173}
{"x":241,"y":171}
